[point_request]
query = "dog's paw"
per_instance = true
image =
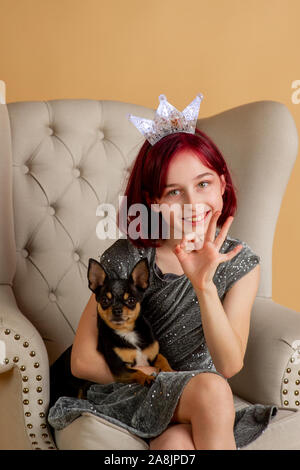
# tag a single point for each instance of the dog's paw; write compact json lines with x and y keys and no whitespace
{"x":150,"y":379}
{"x":147,"y":379}
{"x":144,"y":379}
{"x":162,"y":364}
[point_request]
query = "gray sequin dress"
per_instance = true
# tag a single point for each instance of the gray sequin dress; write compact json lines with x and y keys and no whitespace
{"x":171,"y":306}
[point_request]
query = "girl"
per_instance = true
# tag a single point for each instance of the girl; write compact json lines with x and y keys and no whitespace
{"x":198,"y":303}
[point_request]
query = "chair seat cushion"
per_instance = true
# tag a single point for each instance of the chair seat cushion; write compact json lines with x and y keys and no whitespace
{"x":89,"y":432}
{"x":282,"y":432}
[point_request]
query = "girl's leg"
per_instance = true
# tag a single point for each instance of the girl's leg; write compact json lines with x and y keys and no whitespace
{"x":208,"y":424}
{"x":175,"y":437}
{"x":207,"y":404}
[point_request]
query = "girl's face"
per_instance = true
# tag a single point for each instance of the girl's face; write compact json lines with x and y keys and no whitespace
{"x":191,"y":189}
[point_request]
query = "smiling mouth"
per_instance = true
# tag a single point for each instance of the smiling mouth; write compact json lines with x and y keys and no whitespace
{"x":196,"y":219}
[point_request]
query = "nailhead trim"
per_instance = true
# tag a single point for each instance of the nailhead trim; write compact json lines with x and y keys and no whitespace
{"x":25,"y":391}
{"x":36,"y":365}
{"x":285,"y":392}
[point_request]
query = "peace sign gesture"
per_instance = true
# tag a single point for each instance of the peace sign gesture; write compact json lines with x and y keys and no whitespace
{"x":200,"y":265}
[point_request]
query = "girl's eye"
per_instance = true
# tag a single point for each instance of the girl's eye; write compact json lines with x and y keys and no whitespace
{"x":205,"y":182}
{"x":171,"y":193}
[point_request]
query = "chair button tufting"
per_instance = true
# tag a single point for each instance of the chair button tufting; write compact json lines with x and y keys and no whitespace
{"x":101,"y":135}
{"x":52,"y":297}
{"x":25,"y":169}
{"x":76,"y":172}
{"x":76,"y":256}
{"x":24,"y":253}
{"x":50,"y":131}
{"x":51,"y":210}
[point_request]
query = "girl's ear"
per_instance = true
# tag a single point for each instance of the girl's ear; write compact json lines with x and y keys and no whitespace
{"x":223,"y":184}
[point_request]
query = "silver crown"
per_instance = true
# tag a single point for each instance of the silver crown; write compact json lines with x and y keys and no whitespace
{"x":168,"y":120}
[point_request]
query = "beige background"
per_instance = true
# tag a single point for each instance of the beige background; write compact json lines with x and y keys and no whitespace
{"x":233,"y":51}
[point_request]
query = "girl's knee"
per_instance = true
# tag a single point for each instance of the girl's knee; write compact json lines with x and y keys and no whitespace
{"x":211,"y":387}
{"x":213,"y":394}
{"x":176,"y":437}
{"x":207,"y":405}
{"x":206,"y":393}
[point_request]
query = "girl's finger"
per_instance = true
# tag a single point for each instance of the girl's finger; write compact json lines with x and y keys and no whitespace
{"x":183,"y":241}
{"x":233,"y":252}
{"x":223,"y":232}
{"x":180,"y":253}
{"x":211,"y":230}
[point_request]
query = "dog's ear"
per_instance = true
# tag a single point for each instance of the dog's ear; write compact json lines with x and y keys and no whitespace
{"x":140,"y":274}
{"x":96,"y":274}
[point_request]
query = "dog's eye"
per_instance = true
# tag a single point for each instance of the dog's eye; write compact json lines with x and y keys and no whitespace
{"x":131,"y":301}
{"x":105,"y":300}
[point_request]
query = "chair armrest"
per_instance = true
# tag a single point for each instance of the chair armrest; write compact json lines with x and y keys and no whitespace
{"x":22,"y":349}
{"x":271,"y":372}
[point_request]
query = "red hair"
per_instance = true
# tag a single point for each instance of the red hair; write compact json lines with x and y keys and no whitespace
{"x":149,"y":173}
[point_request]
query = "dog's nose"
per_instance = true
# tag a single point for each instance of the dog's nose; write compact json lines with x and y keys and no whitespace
{"x":117,"y":311}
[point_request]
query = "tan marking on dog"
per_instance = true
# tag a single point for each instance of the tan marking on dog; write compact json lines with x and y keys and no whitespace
{"x":104,"y":314}
{"x":129,"y":315}
{"x":127,"y":355}
{"x":138,"y":376}
{"x":126,"y":295}
{"x":152,"y":350}
{"x":109,"y":295}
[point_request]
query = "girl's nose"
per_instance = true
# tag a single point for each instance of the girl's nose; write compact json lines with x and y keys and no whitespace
{"x":193,"y":202}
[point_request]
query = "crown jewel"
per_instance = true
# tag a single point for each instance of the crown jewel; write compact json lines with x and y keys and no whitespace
{"x":168,"y":120}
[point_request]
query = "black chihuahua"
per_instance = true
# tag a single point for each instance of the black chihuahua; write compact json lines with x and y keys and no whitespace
{"x":125,"y":336}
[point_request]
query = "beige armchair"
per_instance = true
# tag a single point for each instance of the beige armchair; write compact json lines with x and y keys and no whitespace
{"x":59,"y":160}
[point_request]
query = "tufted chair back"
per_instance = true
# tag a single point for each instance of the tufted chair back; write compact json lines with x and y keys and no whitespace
{"x":60,"y":159}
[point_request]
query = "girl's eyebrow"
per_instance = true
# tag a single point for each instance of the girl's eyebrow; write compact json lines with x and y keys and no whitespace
{"x":199,"y":176}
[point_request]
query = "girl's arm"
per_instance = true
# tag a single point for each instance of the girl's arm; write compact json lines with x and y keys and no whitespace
{"x":86,"y":361}
{"x":226,"y":327}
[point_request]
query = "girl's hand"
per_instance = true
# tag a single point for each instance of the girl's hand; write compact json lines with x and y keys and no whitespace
{"x":200,"y":265}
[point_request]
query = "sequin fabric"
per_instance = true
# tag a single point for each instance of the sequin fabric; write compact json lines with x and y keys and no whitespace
{"x":172,"y":307}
